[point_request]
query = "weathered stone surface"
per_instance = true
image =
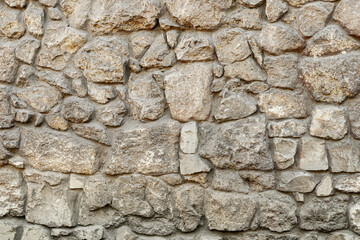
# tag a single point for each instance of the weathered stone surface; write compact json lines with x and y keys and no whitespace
{"x":101,"y":93}
{"x":56,"y":79}
{"x":330,"y":40}
{"x":35,"y":232}
{"x":158,"y":227}
{"x":284,"y":152}
{"x":231,"y":45}
{"x":158,"y":55}
{"x":145,"y":97}
{"x":89,"y":233}
{"x":8,"y":63}
{"x":282,"y":104}
{"x":10,"y":24}
{"x":313,"y":155}
{"x":328,"y":122}
{"x":61,"y":43}
{"x":140,"y":42}
{"x":325,"y":187}
{"x":41,"y":97}
{"x":260,"y":181}
{"x":26,"y":49}
{"x":150,"y":149}
{"x":34,"y":19}
{"x":324,"y":214}
{"x":51,"y":151}
{"x":16,"y":3}
{"x":275,"y":9}
{"x":247,"y":18}
{"x":194,"y":46}
{"x":237,"y":145}
{"x":344,"y":234}
{"x":229,"y":181}
{"x":282,"y":70}
{"x":354,"y":217}
{"x":77,"y":110}
{"x":157,"y":194}
{"x":247,"y":70}
{"x":290,"y":181}
{"x":347,"y":13}
{"x":188,"y":206}
{"x":48,"y":3}
{"x":229,"y":211}
{"x":79,"y":87}
{"x":172,"y":40}
{"x":252,"y":3}
{"x":111,"y":16}
{"x":349,"y":184}
{"x":189,"y":138}
{"x":54,"y":13}
{"x":55,"y":120}
{"x":256,"y":49}
{"x":76,"y":11}
{"x":344,"y":156}
{"x":201,"y":14}
{"x":354,"y":118}
{"x":331,"y":79}
{"x":103,"y":60}
{"x":188,"y":92}
{"x":277,"y":211}
{"x":192,"y":163}
{"x":287,"y":128}
{"x":111,"y":114}
{"x":93,"y":131}
{"x":11,"y":138}
{"x":278,"y":38}
{"x":9,"y":229}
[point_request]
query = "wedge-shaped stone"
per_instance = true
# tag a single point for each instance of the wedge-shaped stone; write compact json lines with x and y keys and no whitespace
{"x":51,"y":151}
{"x":302,"y":182}
{"x":237,"y":145}
{"x":149,"y":149}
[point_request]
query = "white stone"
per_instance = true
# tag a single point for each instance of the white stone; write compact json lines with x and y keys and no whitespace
{"x":192,"y":163}
{"x":313,"y":155}
{"x":354,"y":217}
{"x":325,"y":187}
{"x":76,"y":181}
{"x":189,"y":138}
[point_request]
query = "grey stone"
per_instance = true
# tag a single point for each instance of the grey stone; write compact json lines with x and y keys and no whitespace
{"x":77,"y":110}
{"x":48,"y":150}
{"x":192,"y":163}
{"x":76,"y":12}
{"x":247,"y":70}
{"x":11,"y":138}
{"x":278,"y":104}
{"x":97,"y":192}
{"x":188,"y":92}
{"x":9,"y":229}
{"x":344,"y":234}
{"x":140,"y":42}
{"x":101,"y":93}
{"x":229,"y":181}
{"x":167,"y":23}
{"x":89,"y":233}
{"x":194,"y":46}
{"x":275,"y":9}
{"x":146,"y":99}
{"x":10,"y":24}
{"x":253,"y":40}
{"x":35,"y":232}
{"x":172,"y":38}
{"x":103,"y":60}
{"x":325,"y":187}
{"x":79,"y":87}
{"x":277,"y":211}
{"x":237,"y":145}
{"x":282,"y":70}
{"x":257,"y":87}
{"x":348,"y":184}
{"x":231,"y":45}
{"x":76,"y":181}
{"x":158,"y":227}
{"x":157,"y":194}
{"x":347,"y":13}
{"x":56,"y":79}
{"x":17,"y":162}
{"x":23,"y":115}
{"x":17,"y":103}
{"x":291,"y":181}
{"x":284,"y":152}
{"x":324,"y":214}
{"x":25,"y":74}
{"x":354,"y":119}
{"x":16,"y":3}
{"x":252,"y":3}
{"x":26,"y":49}
{"x":344,"y":156}
{"x":247,"y":18}
{"x":330,"y":40}
{"x":331,"y":79}
{"x":34,"y":19}
{"x":48,"y":3}
{"x":229,"y":211}
{"x":277,"y":38}
{"x":354,"y":217}
{"x":260,"y":181}
{"x":189,"y":138}
{"x":93,"y":131}
{"x":128,"y":16}
{"x":61,"y":43}
{"x":313,"y":156}
{"x":54,"y":13}
{"x":8,"y":63}
{"x":149,"y":149}
{"x":217,"y":84}
{"x":6,"y":121}
{"x":111,"y":114}
{"x":172,"y":179}
{"x":55,"y":120}
{"x":328,"y":122}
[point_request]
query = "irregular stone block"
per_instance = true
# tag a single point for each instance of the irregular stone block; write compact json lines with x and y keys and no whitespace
{"x":282,"y":70}
{"x":347,"y":14}
{"x":302,"y":182}
{"x":76,"y":11}
{"x":189,"y":138}
{"x":111,"y":114}
{"x":35,"y":232}
{"x":344,"y":156}
{"x":229,"y":181}
{"x":247,"y":70}
{"x":89,"y":233}
{"x":348,"y":184}
{"x":55,"y":121}
{"x":8,"y":63}
{"x":313,"y":155}
{"x":192,"y":163}
{"x":26,"y":49}
{"x":275,"y":9}
{"x":9,"y":229}
{"x":34,"y":19}
{"x":325,"y":187}
{"x":157,"y":227}
{"x":93,"y":131}
{"x":284,"y":152}
{"x":101,"y":93}
{"x":354,"y":217}
{"x":10,"y":24}
{"x":260,"y":181}
{"x":16,"y":3}
{"x":55,"y":79}
{"x":140,"y":42}
{"x":157,"y":194}
{"x":77,"y":110}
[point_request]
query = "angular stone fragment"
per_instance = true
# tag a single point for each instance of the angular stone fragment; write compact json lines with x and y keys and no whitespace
{"x":189,"y":138}
{"x":229,"y":211}
{"x":325,"y":187}
{"x":158,"y":227}
{"x":247,"y":70}
{"x":324,"y":214}
{"x":331,"y":79}
{"x":192,"y":163}
{"x":76,"y":11}
{"x":140,"y":42}
{"x":146,"y":99}
{"x":348,"y":184}
{"x":252,"y":3}
{"x":282,"y":71}
{"x":54,"y":13}
{"x":34,"y":19}
{"x":201,"y":14}
{"x":101,"y":93}
{"x":110,"y":16}
{"x":194,"y":46}
{"x":112,"y":114}
{"x":97,"y":192}
{"x":35,"y":232}
{"x":247,"y":18}
{"x":282,"y":104}
{"x":77,"y":110}
{"x":26,"y":49}
{"x":157,"y":194}
{"x":344,"y":156}
{"x":330,"y":40}
{"x":260,"y":181}
{"x":16,"y":3}
{"x":236,"y":145}
{"x":9,"y":229}
{"x":158,"y":55}
{"x":89,"y":233}
{"x":56,"y":79}
{"x":48,"y":3}
{"x":172,"y":39}
{"x":347,"y":13}
{"x":188,"y":92}
{"x":103,"y":60}
{"x":231,"y":45}
{"x":11,"y":138}
{"x":313,"y":155}
{"x":10,"y":24}
{"x":40,"y":97}
{"x":284,"y":152}
{"x":229,"y":181}
{"x":277,"y":38}
{"x":55,"y":121}
{"x":12,"y":192}
{"x":354,"y":217}
{"x":149,"y":149}
{"x":328,"y":122}
{"x":8,"y":63}
{"x":275,"y":9}
{"x":79,"y":87}
{"x":61,"y":43}
{"x":51,"y":151}
{"x":93,"y":131}
{"x":302,"y":182}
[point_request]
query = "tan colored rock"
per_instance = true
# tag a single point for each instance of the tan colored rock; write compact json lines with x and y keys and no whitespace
{"x":282,"y":71}
{"x":101,"y":93}
{"x":284,"y":152}
{"x":111,"y":114}
{"x":76,"y":11}
{"x":247,"y":18}
{"x":229,"y":181}
{"x":302,"y":182}
{"x":348,"y":184}
{"x":287,"y":128}
{"x":26,"y":49}
{"x":140,"y":42}
{"x":8,"y":63}
{"x":9,"y":229}
{"x":10,"y":24}
{"x":35,"y":232}
{"x":55,"y":120}
{"x":313,"y":155}
{"x":275,"y":9}
{"x":93,"y":131}
{"x":259,"y":180}
{"x":56,"y":79}
{"x":189,"y":138}
{"x":325,"y":187}
{"x":344,"y":156}
{"x":247,"y":70}
{"x":347,"y":14}
{"x":16,"y":3}
{"x":34,"y":19}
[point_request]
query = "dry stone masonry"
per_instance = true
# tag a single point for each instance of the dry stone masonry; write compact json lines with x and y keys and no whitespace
{"x":179,"y":119}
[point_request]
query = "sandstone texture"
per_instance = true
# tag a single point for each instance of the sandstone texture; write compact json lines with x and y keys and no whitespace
{"x":179,"y":120}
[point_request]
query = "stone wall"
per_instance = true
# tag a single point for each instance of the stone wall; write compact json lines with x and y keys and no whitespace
{"x":179,"y":119}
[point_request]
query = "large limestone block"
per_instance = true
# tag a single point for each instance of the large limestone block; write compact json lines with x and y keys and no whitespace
{"x":148,"y":149}
{"x":51,"y":151}
{"x":291,"y":181}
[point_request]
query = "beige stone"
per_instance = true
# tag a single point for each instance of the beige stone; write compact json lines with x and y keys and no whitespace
{"x":313,"y":156}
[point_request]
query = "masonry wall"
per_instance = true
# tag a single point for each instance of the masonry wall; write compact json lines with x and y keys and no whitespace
{"x":179,"y":119}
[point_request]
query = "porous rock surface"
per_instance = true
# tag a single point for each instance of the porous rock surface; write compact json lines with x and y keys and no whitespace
{"x":179,"y":119}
